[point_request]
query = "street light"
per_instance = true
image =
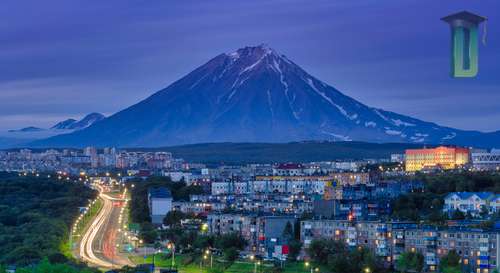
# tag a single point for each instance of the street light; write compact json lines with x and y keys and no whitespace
{"x":204,"y":227}
{"x":171,"y":246}
{"x":201,"y":263}
{"x":367,"y":270}
{"x":208,"y":252}
{"x":309,"y":265}
{"x":154,"y":257}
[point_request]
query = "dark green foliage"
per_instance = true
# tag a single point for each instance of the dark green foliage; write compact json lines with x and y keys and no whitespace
{"x":414,"y":206}
{"x":339,"y":259}
{"x":427,"y":205}
{"x":410,"y":262}
{"x":450,"y":263}
{"x":148,"y":233}
{"x":231,"y":240}
{"x":288,"y":233}
{"x":204,"y":241}
{"x":242,"y":153}
{"x":458,"y":215}
{"x":294,"y":246}
{"x":35,"y":213}
{"x":320,"y":250}
{"x":174,"y":218}
{"x":139,"y":211}
{"x":47,"y":267}
{"x":231,"y":254}
{"x":443,"y":183}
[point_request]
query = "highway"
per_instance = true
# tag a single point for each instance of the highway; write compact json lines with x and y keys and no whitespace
{"x":98,"y":246}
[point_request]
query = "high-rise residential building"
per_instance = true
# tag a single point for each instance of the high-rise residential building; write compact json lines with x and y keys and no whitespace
{"x":439,"y":157}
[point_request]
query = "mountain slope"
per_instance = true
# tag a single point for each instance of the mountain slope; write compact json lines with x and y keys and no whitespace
{"x":256,"y":95}
{"x":73,"y":124}
{"x":65,"y":124}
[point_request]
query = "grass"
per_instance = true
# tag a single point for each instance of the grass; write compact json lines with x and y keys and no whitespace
{"x":219,"y":265}
{"x":66,"y":247}
{"x":180,"y":262}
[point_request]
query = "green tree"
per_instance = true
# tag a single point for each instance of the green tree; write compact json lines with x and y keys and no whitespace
{"x":230,"y":240}
{"x":484,"y":212}
{"x":340,"y":259}
{"x":295,"y":246}
{"x":46,"y":267}
{"x":174,"y":218}
{"x":203,"y":242}
{"x":231,"y":254}
{"x":457,"y":215}
{"x":320,"y":250}
{"x":148,"y":233}
{"x":450,"y":263}
{"x":287,"y":234}
{"x":410,"y":262}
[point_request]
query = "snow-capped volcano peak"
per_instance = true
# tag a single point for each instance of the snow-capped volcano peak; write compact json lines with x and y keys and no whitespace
{"x":253,"y":94}
{"x":253,"y":51}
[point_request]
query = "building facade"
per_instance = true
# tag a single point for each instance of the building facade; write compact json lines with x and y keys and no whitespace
{"x":483,"y":160}
{"x":441,"y":157}
{"x":160,"y":203}
{"x":478,"y":248}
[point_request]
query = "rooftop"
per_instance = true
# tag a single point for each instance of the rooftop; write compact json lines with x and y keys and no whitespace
{"x":160,"y":192}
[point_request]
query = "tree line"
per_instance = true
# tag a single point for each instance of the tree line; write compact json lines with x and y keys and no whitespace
{"x":35,"y":215}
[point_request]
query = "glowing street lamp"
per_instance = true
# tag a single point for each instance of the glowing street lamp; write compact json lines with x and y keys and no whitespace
{"x":208,"y":252}
{"x":309,"y":265}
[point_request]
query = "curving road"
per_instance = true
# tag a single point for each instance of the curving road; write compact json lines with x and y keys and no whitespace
{"x":98,"y":244}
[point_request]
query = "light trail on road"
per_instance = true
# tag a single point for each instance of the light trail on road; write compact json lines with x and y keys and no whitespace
{"x":91,"y":237}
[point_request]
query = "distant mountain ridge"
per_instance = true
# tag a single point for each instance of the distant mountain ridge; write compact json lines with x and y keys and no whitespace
{"x":22,"y":137}
{"x":256,"y":94}
{"x":65,"y":124}
{"x":68,"y":124}
{"x":27,"y":129}
{"x":73,"y":124}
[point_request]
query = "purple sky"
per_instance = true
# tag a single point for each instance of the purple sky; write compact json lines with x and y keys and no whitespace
{"x":65,"y":58}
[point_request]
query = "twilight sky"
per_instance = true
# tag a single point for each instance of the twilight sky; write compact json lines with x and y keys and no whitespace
{"x":66,"y":58}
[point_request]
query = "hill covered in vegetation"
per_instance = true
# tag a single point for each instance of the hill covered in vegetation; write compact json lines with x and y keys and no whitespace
{"x":35,"y":215}
{"x":240,"y":153}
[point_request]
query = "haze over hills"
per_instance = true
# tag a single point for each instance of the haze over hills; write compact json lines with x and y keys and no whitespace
{"x":73,"y":124}
{"x":256,"y":94}
{"x":26,"y":129}
{"x":20,"y":137}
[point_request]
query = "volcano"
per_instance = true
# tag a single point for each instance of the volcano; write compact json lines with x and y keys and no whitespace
{"x":256,"y":94}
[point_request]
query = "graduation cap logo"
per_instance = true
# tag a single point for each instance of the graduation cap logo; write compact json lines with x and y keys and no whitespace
{"x":464,"y":43}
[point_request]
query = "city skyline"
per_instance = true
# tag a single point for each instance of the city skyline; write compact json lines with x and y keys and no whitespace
{"x":62,"y":65}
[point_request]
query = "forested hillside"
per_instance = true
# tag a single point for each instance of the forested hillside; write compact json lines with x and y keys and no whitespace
{"x":35,"y":213}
